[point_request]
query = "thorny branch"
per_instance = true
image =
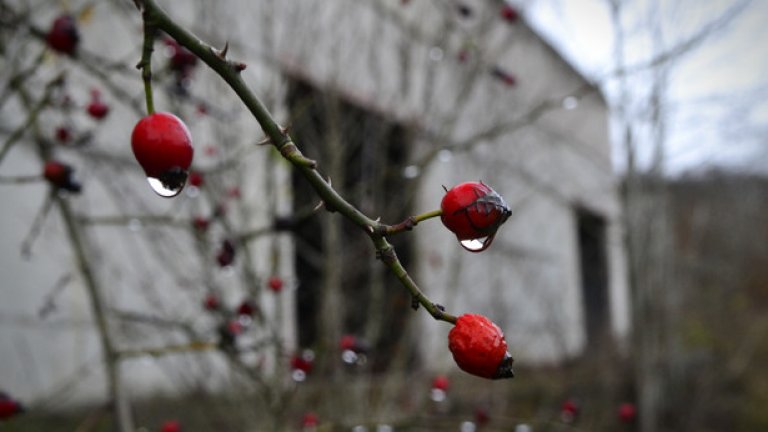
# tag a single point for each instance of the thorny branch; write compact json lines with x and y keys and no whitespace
{"x":230,"y":72}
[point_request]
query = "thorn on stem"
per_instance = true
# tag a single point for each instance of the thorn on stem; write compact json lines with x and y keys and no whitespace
{"x":414,"y":303}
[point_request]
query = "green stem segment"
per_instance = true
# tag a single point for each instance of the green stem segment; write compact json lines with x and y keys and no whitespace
{"x":156,"y":18}
{"x":145,"y":64}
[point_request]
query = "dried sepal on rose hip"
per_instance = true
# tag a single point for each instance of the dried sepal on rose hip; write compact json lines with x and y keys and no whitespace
{"x":474,"y":212}
{"x":479,"y":348}
{"x":61,"y":176}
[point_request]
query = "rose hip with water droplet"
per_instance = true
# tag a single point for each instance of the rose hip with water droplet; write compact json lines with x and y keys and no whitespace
{"x":473,"y":211}
{"x":61,"y":176}
{"x":479,"y":348}
{"x":162,"y":145}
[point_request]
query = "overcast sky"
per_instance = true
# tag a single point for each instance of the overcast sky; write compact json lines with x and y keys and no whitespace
{"x":718,"y":94}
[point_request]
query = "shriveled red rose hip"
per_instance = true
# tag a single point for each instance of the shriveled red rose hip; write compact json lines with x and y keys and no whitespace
{"x":479,"y":348}
{"x":474,"y":211}
{"x":63,"y":35}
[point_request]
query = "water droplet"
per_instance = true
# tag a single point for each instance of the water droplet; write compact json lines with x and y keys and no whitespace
{"x":308,"y":355}
{"x":161,"y":190}
{"x":245,"y":320}
{"x":170,"y":183}
{"x":437,"y":395}
{"x":477,"y":245}
{"x":411,"y":171}
{"x":467,"y":426}
{"x":135,"y":225}
{"x":192,"y":191}
{"x":444,"y":155}
{"x":570,"y":102}
{"x":384,"y":428}
{"x":349,"y":357}
{"x":298,"y":375}
{"x":359,"y":428}
{"x":435,"y":53}
{"x":522,"y":427}
{"x":473,"y":245}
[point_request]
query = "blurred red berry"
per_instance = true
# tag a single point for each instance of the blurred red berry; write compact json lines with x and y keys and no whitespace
{"x":479,"y":348}
{"x":98,"y":109}
{"x":211,"y":302}
{"x":226,"y":254}
{"x":63,"y":134}
{"x":171,"y":426}
{"x":234,"y":192}
{"x":627,"y":412}
{"x":569,"y":411}
{"x":482,"y":417}
{"x":246,"y":308}
{"x":201,"y":223}
{"x":63,"y":35}
{"x":61,"y":176}
{"x":509,"y":13}
{"x":275,"y":284}
{"x":348,"y":343}
{"x":310,"y":420}
{"x":302,"y":363}
{"x":181,"y":60}
{"x":9,"y":408}
{"x":195,"y":179}
{"x":441,"y":382}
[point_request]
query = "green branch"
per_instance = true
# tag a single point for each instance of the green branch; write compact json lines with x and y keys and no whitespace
{"x":230,"y":71}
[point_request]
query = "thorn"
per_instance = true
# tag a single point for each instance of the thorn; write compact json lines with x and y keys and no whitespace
{"x":319,"y":205}
{"x":265,"y":141}
{"x":328,"y":180}
{"x":414,"y":303}
{"x":378,"y":219}
{"x":285,"y":129}
{"x":223,"y":53}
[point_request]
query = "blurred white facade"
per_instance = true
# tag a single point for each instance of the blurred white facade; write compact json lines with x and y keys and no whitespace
{"x":541,"y":142}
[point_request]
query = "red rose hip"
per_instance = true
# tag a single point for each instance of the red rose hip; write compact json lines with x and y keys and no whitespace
{"x":474,"y":212}
{"x":479,"y":348}
{"x":162,"y":145}
{"x":63,"y":35}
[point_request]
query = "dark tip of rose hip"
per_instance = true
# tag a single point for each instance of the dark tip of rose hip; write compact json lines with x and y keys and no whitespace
{"x":173,"y":179}
{"x":505,"y":368}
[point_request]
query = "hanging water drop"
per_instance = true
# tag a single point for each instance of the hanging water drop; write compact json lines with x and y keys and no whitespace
{"x":170,"y":183}
{"x":478,"y":244}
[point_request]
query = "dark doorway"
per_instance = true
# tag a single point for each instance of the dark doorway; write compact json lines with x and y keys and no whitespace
{"x":594,"y":275}
{"x":343,"y":289}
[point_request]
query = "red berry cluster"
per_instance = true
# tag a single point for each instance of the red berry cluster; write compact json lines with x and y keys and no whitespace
{"x":302,"y":364}
{"x":479,"y":348}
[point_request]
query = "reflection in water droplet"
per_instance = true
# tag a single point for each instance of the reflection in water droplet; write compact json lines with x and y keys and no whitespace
{"x":349,"y":357}
{"x":467,"y":426}
{"x":435,"y":53}
{"x":245,"y":320}
{"x":437,"y":395}
{"x":444,"y":155}
{"x":135,"y":225}
{"x":411,"y":171}
{"x":570,"y":102}
{"x":474,"y":245}
{"x":161,"y":190}
{"x":298,"y":375}
{"x":192,"y":191}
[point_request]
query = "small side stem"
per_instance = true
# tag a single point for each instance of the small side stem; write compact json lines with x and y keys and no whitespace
{"x":408,"y":224}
